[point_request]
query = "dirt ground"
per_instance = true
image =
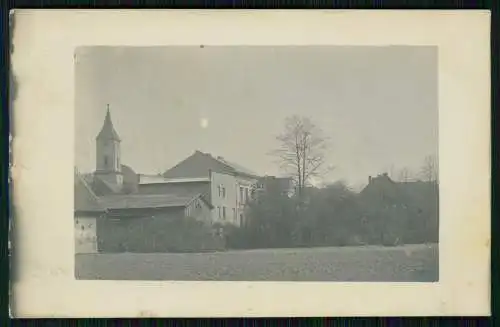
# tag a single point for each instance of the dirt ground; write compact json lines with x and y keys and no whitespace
{"x":409,"y":263}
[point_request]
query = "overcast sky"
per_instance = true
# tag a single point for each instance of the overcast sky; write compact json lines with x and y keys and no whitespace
{"x":377,"y":105}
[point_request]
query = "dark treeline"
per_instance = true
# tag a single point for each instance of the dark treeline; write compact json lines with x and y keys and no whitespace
{"x":384,"y":213}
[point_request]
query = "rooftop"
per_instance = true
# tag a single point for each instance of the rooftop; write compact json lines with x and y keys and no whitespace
{"x":108,"y":131}
{"x":145,"y":201}
{"x":85,"y":199}
{"x":199,"y":164}
{"x":157,"y":179}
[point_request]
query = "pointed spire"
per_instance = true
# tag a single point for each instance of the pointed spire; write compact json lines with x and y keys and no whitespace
{"x":108,"y":131}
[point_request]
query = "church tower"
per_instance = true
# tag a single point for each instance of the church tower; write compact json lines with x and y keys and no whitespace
{"x":108,"y":161}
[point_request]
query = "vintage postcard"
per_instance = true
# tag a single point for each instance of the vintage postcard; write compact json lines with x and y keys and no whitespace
{"x":166,"y":165}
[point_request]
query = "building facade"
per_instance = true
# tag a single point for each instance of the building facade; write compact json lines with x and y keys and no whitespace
{"x":226,"y":187}
{"x":87,"y":212}
{"x":230,"y":195}
{"x":155,"y":223}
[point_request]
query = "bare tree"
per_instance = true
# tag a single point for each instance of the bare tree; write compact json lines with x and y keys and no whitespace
{"x":429,"y":169}
{"x":404,"y":175}
{"x":391,"y":172}
{"x":302,"y":150}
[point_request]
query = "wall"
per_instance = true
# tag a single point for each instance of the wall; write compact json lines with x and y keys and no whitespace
{"x":199,"y":210}
{"x":238,"y":192}
{"x":245,"y":194}
{"x":223,"y":193}
{"x":175,"y":188}
{"x":85,"y":234}
{"x":110,"y":150}
{"x":130,"y":180}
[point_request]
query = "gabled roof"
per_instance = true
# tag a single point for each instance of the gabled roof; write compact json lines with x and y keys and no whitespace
{"x":102,"y":187}
{"x":84,"y":198}
{"x":158,"y":179}
{"x":416,"y":192}
{"x":127,"y":170}
{"x":237,"y":168}
{"x":146,"y":201}
{"x":182,"y":189}
{"x":108,"y":131}
{"x":199,"y":164}
{"x":151,"y":179}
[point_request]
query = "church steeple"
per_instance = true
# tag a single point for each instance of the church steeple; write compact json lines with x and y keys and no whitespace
{"x":108,"y":153}
{"x":108,"y":131}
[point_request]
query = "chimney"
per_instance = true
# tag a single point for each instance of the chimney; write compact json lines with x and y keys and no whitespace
{"x":369,"y":179}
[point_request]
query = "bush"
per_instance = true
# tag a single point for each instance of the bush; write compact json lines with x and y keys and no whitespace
{"x":336,"y":216}
{"x":147,"y":235}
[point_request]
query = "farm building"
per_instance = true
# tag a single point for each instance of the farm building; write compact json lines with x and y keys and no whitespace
{"x":87,"y":211}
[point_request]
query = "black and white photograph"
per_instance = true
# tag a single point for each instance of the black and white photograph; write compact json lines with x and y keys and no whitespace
{"x":173,"y":163}
{"x":256,"y":163}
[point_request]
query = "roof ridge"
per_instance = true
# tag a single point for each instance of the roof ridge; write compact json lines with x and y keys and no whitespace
{"x":223,"y":163}
{"x":87,"y":186}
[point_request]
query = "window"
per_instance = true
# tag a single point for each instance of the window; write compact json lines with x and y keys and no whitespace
{"x":234,"y":213}
{"x":246,"y":193}
{"x":224,"y":212}
{"x":218,"y":209}
{"x":222,"y":191}
{"x":241,"y":195}
{"x":105,"y":161}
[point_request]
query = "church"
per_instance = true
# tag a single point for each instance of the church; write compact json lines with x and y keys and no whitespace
{"x":115,"y":199}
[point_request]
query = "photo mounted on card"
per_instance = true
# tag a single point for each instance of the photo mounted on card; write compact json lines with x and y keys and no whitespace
{"x":162,"y":162}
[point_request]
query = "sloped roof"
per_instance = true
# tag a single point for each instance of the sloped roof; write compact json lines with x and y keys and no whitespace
{"x":151,"y":179}
{"x":127,"y":170}
{"x":102,"y":187}
{"x":108,"y":131}
{"x":84,"y":198}
{"x":381,"y":184}
{"x":156,"y":179}
{"x":237,"y":168}
{"x":199,"y":164}
{"x":420,"y":191}
{"x":415,"y":193}
{"x":283,"y":183}
{"x":182,"y":189}
{"x":145,"y":201}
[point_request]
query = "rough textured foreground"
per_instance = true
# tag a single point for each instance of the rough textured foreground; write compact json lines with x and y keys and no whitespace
{"x":417,"y":263}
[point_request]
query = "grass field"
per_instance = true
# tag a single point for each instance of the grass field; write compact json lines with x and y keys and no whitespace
{"x":418,"y":263}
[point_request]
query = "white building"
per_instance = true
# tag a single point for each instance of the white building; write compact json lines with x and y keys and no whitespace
{"x":87,"y":212}
{"x":226,"y":186}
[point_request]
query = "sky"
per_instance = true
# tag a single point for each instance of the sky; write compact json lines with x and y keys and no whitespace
{"x":376,"y":105}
